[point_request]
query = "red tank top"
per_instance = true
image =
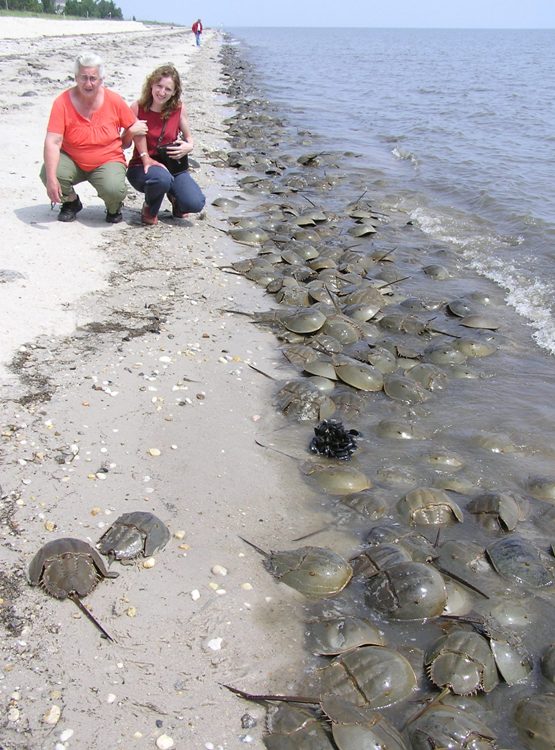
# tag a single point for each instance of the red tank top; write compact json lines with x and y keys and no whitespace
{"x":155,"y":122}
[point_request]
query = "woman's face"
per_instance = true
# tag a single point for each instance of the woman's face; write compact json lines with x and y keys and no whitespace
{"x":163,"y":90}
{"x":88,"y":81}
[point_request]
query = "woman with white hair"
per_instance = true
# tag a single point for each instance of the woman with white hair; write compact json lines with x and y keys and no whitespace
{"x":84,"y":142}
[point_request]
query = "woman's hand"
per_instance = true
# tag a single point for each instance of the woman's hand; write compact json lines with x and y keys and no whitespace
{"x":178,"y":149}
{"x":54,"y":191}
{"x":139,"y":127}
{"x":148,"y":162}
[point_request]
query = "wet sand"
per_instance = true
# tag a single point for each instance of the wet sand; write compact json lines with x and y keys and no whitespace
{"x":125,"y":388}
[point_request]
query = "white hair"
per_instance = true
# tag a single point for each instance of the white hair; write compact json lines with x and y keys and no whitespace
{"x":89,"y":60}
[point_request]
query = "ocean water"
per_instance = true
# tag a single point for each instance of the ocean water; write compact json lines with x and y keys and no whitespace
{"x":460,"y":122}
{"x":449,"y":134}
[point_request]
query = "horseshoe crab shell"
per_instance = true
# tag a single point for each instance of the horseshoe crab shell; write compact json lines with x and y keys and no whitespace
{"x":292,"y":727}
{"x":479,"y":321}
{"x":336,"y":635}
{"x":304,"y":321}
{"x":134,"y":534}
{"x":315,"y":572}
{"x":428,"y":506}
{"x":535,"y":720}
{"x":304,"y":401}
{"x":516,"y":558}
{"x":342,"y":328}
{"x":548,"y":663}
{"x":337,"y":480}
{"x":463,"y":662}
{"x":400,"y":429}
{"x":360,"y":375}
{"x":359,"y":728}
{"x":407,"y":591}
{"x":542,"y":488}
{"x":67,"y":565}
{"x":402,"y":388}
{"x":497,"y":509}
{"x":450,"y":727}
{"x":374,"y":676}
{"x":252,"y":236}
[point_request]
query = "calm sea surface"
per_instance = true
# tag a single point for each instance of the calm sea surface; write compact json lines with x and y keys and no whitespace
{"x":460,"y":122}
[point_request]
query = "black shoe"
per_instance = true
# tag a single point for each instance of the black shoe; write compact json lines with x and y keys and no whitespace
{"x":70,"y":209}
{"x":114,"y":218}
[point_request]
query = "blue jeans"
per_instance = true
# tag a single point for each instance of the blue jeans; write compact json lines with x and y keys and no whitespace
{"x":157,"y":182}
{"x":197,"y":36}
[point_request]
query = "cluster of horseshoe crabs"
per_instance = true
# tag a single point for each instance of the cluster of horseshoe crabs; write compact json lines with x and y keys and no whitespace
{"x":69,"y":568}
{"x":435,"y":632}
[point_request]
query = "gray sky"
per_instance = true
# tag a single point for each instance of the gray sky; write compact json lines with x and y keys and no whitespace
{"x":514,"y":14}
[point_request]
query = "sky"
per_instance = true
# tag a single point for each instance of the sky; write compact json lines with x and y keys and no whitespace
{"x":504,"y":14}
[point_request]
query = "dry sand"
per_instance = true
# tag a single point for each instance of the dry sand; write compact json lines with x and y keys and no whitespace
{"x":125,"y":388}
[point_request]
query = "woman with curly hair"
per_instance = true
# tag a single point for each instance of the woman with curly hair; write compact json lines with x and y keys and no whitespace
{"x":161,"y":109}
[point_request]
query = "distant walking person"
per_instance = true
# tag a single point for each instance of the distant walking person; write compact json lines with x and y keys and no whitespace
{"x":197,"y":30}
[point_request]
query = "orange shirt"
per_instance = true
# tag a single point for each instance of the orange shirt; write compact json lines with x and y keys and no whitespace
{"x":93,"y":142}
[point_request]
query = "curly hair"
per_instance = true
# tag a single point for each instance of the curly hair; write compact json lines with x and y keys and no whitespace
{"x":164,"y":71}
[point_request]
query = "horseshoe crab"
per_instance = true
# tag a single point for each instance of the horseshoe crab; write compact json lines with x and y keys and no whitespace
{"x":452,"y":728}
{"x":499,"y":510}
{"x":373,"y":676}
{"x":542,"y":488}
{"x":361,"y":376}
{"x":252,"y":236}
{"x":336,"y":635}
{"x":316,"y":572}
{"x":407,"y":591}
{"x":303,"y":321}
{"x":322,"y":367}
{"x":444,"y":353}
{"x":535,"y":720}
{"x":514,"y":557}
{"x":342,"y":328}
{"x":402,"y":388}
{"x":548,"y":663}
{"x":293,"y":727}
{"x":134,"y":534}
{"x":479,"y":321}
{"x":475,"y":348}
{"x":372,"y":559}
{"x":357,"y":728}
{"x":337,"y":480}
{"x":399,"y":429}
{"x":69,"y":568}
{"x":462,"y":661}
{"x":304,"y":401}
{"x":428,"y":506}
{"x":429,"y":376}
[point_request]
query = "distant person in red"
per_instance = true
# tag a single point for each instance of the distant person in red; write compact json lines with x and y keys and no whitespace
{"x":197,"y":30}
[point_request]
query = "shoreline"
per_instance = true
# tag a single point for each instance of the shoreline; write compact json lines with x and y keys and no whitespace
{"x":141,"y":399}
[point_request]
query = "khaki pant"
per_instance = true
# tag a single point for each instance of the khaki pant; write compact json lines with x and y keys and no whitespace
{"x":108,"y":180}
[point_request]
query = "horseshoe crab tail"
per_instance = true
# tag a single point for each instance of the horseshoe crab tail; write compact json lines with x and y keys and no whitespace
{"x":312,"y":533}
{"x":283,"y":698}
{"x":385,"y":255}
{"x":74,"y":598}
{"x":436,"y":699}
{"x":395,"y":281}
{"x":258,"y":549}
{"x":462,"y":581}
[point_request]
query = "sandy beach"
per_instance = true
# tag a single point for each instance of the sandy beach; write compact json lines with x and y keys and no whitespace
{"x":125,"y":388}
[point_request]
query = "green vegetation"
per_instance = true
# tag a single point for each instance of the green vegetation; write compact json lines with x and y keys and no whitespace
{"x":74,"y":8}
